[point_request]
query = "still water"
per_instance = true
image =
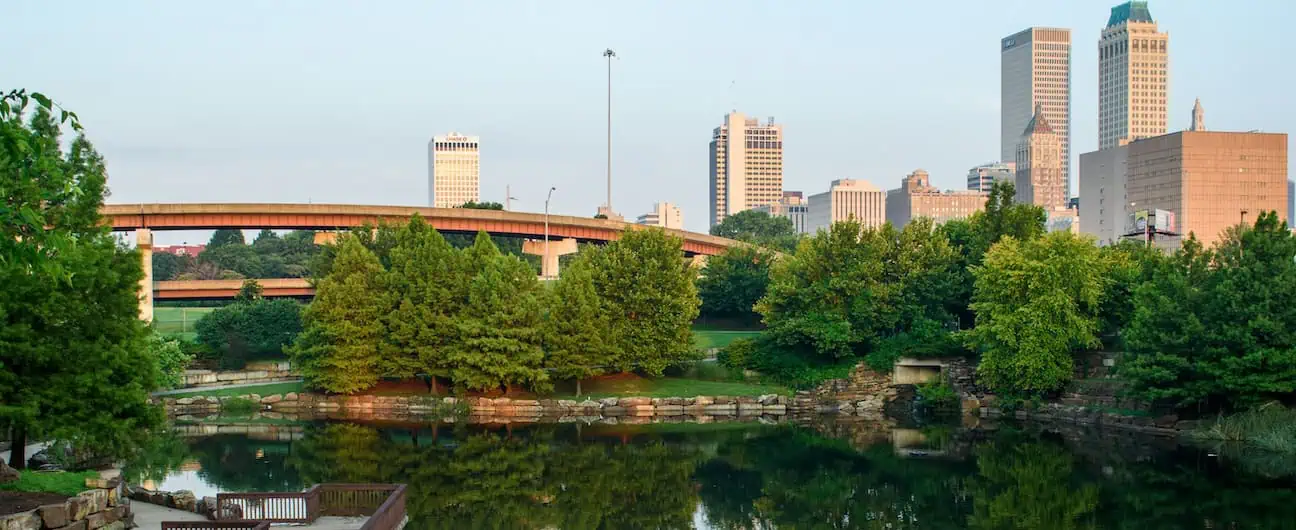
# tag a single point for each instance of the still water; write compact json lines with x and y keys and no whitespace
{"x":751,"y":476}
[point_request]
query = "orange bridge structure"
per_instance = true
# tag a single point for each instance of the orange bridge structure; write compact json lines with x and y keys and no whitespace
{"x":564,"y":232}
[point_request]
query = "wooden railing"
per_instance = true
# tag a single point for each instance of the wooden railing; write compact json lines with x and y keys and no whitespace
{"x":384,"y":504}
{"x":296,"y":507}
{"x":217,"y":525}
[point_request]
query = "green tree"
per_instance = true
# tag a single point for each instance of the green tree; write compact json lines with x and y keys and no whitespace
{"x":166,"y":266}
{"x":1002,"y":217}
{"x":249,"y":292}
{"x":171,"y":360}
{"x":234,"y":257}
{"x":1218,"y":328}
{"x":732,"y":283}
{"x":73,"y":360}
{"x":650,"y":296}
{"x":473,"y":205}
{"x":498,"y":333}
{"x":342,"y":328}
{"x":225,"y":236}
{"x":1036,"y":302}
{"x":261,"y":328}
{"x":429,"y":285}
{"x":576,"y":327}
{"x":758,"y":227}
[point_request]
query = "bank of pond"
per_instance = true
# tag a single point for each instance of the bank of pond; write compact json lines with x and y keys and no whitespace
{"x":818,"y":474}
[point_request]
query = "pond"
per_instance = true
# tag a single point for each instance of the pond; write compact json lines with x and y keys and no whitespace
{"x":747,"y":475}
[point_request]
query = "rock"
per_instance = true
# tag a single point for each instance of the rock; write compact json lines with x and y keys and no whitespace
{"x":207,"y":507}
{"x":291,"y":396}
{"x":614,"y":410}
{"x":768,"y":399}
{"x":20,"y":521}
{"x":674,"y":401}
{"x":95,"y":521}
{"x":184,"y":401}
{"x":229,"y":512}
{"x":669,"y":410}
{"x":8,"y":474}
{"x":95,"y":500}
{"x":54,"y":515}
{"x":115,"y":525}
{"x":608,"y":402}
{"x":79,"y":525}
{"x":567,"y":404}
{"x":589,"y":404}
{"x":703,"y":400}
{"x":183,"y":500}
{"x":1166,"y":422}
{"x":634,"y":401}
{"x":270,"y":400}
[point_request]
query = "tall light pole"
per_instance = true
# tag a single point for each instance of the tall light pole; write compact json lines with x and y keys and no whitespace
{"x":609,"y":54}
{"x":545,"y":261}
{"x":508,"y":199}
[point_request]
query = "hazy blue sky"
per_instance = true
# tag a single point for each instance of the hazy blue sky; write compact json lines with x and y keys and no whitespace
{"x":334,"y":101}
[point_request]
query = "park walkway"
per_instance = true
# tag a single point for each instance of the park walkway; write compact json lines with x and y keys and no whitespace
{"x":199,"y":389}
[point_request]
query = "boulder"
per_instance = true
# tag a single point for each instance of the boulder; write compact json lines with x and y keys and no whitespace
{"x":207,"y":507}
{"x":79,"y":525}
{"x":185,"y":401}
{"x":566,"y":404}
{"x":20,"y":521}
{"x":634,"y":401}
{"x":96,"y":520}
{"x":608,"y":402}
{"x":54,"y":515}
{"x":768,"y":399}
{"x":95,"y":501}
{"x":8,"y":474}
{"x":589,"y":404}
{"x":115,"y":525}
{"x":703,"y":400}
{"x":183,"y":500}
{"x":291,"y":396}
{"x":270,"y":400}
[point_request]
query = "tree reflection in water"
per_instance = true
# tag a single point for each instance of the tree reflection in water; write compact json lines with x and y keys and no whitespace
{"x":559,"y":476}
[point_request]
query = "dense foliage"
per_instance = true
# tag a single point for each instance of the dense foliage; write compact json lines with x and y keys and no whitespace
{"x":1218,"y":327}
{"x":171,"y":360}
{"x":249,"y":328}
{"x":733,"y":282}
{"x":74,"y":364}
{"x":480,"y":318}
{"x":1036,"y":302}
{"x":778,"y":233}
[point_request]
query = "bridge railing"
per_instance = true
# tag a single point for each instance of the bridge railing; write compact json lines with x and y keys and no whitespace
{"x":384,"y":504}
{"x":216,"y":525}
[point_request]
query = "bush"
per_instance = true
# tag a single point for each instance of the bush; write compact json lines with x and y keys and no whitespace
{"x":781,"y":364}
{"x":254,"y":329}
{"x":737,"y":354}
{"x":239,"y":405}
{"x":1271,"y":427}
{"x":171,"y":358}
{"x":937,"y":394}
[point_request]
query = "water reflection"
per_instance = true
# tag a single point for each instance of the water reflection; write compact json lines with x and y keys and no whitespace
{"x":758,"y":477}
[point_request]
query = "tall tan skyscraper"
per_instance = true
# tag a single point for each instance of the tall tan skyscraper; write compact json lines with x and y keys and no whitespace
{"x":1132,"y":76}
{"x":916,"y":197}
{"x":1039,"y":166}
{"x":846,"y":199}
{"x":746,"y":165}
{"x":1035,"y":70}
{"x":454,"y":170}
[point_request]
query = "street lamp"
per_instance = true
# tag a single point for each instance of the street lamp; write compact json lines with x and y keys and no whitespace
{"x":508,"y":199}
{"x":609,"y":54}
{"x":545,"y":261}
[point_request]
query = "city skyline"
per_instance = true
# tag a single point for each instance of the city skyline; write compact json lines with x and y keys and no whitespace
{"x":328,"y":119}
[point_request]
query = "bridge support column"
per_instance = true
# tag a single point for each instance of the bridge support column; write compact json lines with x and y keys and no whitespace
{"x":549,"y":262}
{"x":144,"y":242}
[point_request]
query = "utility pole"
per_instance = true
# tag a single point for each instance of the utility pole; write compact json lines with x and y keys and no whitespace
{"x":609,"y":54}
{"x":508,"y":199}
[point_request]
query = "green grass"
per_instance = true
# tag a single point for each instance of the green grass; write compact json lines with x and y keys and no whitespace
{"x":260,"y":390}
{"x":61,"y":482}
{"x":1271,"y":427}
{"x":706,"y":339}
{"x":178,"y":321}
{"x":668,"y":387}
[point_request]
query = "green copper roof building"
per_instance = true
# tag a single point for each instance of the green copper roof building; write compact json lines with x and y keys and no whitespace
{"x":1130,"y":12}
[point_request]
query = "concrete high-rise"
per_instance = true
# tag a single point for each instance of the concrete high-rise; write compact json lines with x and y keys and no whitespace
{"x":1039,"y":166}
{"x":1035,"y":71}
{"x":1104,"y":209}
{"x":663,"y":214}
{"x":746,"y":165}
{"x":983,"y":177}
{"x":916,"y":197}
{"x":1209,"y":180}
{"x":793,"y":206}
{"x":1132,"y":76}
{"x":846,"y":199}
{"x":454,"y":170}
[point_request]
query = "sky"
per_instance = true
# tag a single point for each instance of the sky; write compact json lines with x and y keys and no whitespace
{"x":333,"y":101}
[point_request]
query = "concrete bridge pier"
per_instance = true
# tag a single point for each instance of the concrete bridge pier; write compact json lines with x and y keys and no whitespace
{"x":144,"y":242}
{"x":549,"y":263}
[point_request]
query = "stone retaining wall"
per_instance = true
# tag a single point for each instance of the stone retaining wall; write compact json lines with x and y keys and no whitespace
{"x":1165,"y":425}
{"x":255,"y":372}
{"x":863,"y":392}
{"x":183,"y":500}
{"x":103,"y":507}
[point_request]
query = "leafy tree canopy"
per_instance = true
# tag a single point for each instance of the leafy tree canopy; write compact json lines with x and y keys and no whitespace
{"x":759,"y":228}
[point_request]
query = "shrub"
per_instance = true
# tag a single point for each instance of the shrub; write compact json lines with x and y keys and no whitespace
{"x":737,"y":354}
{"x":239,"y":405}
{"x":258,"y":328}
{"x":1271,"y":427}
{"x":937,"y":394}
{"x":171,"y":358}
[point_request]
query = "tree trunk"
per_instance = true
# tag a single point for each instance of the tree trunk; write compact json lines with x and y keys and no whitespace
{"x":577,"y":387}
{"x":434,"y":385}
{"x":18,"y":453}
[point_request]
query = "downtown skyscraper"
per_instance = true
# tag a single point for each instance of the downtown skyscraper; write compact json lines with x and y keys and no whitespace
{"x":454,"y":170}
{"x":1132,"y":76}
{"x":1035,"y":71}
{"x":746,"y":165}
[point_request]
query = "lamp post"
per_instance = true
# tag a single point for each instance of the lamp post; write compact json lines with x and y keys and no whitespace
{"x":609,"y":54}
{"x":508,"y":199}
{"x":545,"y":261}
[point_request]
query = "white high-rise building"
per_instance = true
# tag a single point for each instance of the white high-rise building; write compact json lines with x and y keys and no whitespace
{"x":663,"y":214}
{"x":1132,"y":76}
{"x":793,"y":206}
{"x":746,"y":165}
{"x":1035,"y":71}
{"x":454,"y":170}
{"x":846,"y":199}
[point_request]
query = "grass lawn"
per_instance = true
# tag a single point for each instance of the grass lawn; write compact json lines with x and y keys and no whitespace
{"x":61,"y":482}
{"x":625,"y":385}
{"x":706,"y":339}
{"x":261,"y":390}
{"x":178,"y":321}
